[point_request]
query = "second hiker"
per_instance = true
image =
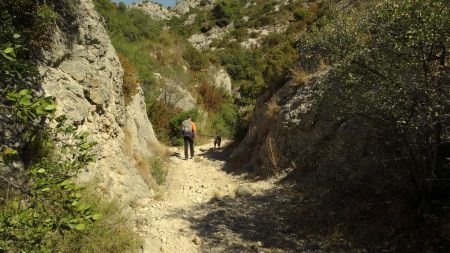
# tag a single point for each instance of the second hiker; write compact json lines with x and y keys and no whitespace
{"x":189,"y":131}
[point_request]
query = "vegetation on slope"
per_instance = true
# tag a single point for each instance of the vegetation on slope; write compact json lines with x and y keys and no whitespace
{"x":369,"y":151}
{"x":161,"y":56}
{"x":41,"y":208}
{"x":391,"y":70}
{"x":254,"y":68}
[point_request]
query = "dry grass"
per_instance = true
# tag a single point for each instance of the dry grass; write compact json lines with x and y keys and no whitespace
{"x":270,"y":147}
{"x":272,"y":108}
{"x":145,"y":170}
{"x":299,"y":75}
{"x":130,"y":81}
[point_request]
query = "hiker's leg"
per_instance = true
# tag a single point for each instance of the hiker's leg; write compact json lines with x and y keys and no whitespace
{"x":186,"y":143}
{"x":191,"y":140}
{"x":218,"y":142}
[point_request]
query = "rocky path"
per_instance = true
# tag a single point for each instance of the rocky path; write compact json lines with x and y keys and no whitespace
{"x":204,"y":209}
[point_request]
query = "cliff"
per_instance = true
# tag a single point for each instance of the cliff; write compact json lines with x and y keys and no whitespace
{"x":159,"y":12}
{"x":85,"y":76}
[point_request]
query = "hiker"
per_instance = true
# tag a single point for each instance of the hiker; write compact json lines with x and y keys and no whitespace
{"x":217,"y":141}
{"x":189,"y":131}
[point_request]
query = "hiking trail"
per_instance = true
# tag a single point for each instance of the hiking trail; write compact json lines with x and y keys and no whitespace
{"x":204,"y":209}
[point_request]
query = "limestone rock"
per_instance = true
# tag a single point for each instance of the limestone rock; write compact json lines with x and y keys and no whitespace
{"x":159,"y":12}
{"x":204,"y":40}
{"x":85,"y":76}
{"x":155,"y":10}
{"x":184,"y":6}
{"x":175,"y":93}
{"x":221,"y":78}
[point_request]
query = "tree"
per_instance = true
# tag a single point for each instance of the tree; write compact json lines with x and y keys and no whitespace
{"x":391,"y":69}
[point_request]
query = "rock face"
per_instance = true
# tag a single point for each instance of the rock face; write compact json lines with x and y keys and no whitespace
{"x":221,"y":78}
{"x":85,"y":76}
{"x":184,"y":6}
{"x":156,"y":11}
{"x":159,"y":12}
{"x":203,"y":41}
{"x":181,"y":97}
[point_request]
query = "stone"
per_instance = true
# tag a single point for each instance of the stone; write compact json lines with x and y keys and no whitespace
{"x":197,"y":241}
{"x":244,"y":190}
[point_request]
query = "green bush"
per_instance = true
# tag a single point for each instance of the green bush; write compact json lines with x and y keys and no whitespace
{"x":159,"y":173}
{"x":36,"y":21}
{"x":224,"y":121}
{"x":129,"y":24}
{"x":240,"y":34}
{"x":300,"y":15}
{"x":160,"y":113}
{"x":197,"y":61}
{"x":113,"y":232}
{"x":222,"y":13}
{"x":382,"y":77}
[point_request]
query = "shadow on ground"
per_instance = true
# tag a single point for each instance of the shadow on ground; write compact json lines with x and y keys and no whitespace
{"x":254,"y":220}
{"x":222,"y":154}
{"x":250,"y":222}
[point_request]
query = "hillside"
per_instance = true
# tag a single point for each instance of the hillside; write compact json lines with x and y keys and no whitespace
{"x":334,"y":117}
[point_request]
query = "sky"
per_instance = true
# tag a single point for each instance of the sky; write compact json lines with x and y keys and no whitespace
{"x":163,"y":2}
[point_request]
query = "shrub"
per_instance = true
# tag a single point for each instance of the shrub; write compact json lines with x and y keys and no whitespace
{"x":224,"y":121}
{"x":130,"y":85}
{"x":240,"y":34}
{"x":113,"y":232}
{"x":382,"y":78}
{"x":300,"y":15}
{"x":158,"y":171}
{"x":211,"y":96}
{"x":197,"y":61}
{"x":36,"y":20}
{"x":222,"y":13}
{"x":161,"y":108}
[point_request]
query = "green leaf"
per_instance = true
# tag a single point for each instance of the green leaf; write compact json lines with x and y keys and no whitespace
{"x":25,"y":101}
{"x":65,"y":182}
{"x":16,"y":36}
{"x":25,"y":92}
{"x":15,"y":204}
{"x":40,"y":171}
{"x":85,"y":145}
{"x":96,"y":216}
{"x":9,"y":151}
{"x":7,"y":57}
{"x":8,"y":50}
{"x":50,"y":108}
{"x":83,"y":207}
{"x":45,"y":190}
{"x":80,"y":227}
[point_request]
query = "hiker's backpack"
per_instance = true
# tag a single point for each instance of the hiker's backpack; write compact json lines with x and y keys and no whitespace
{"x":186,"y":128}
